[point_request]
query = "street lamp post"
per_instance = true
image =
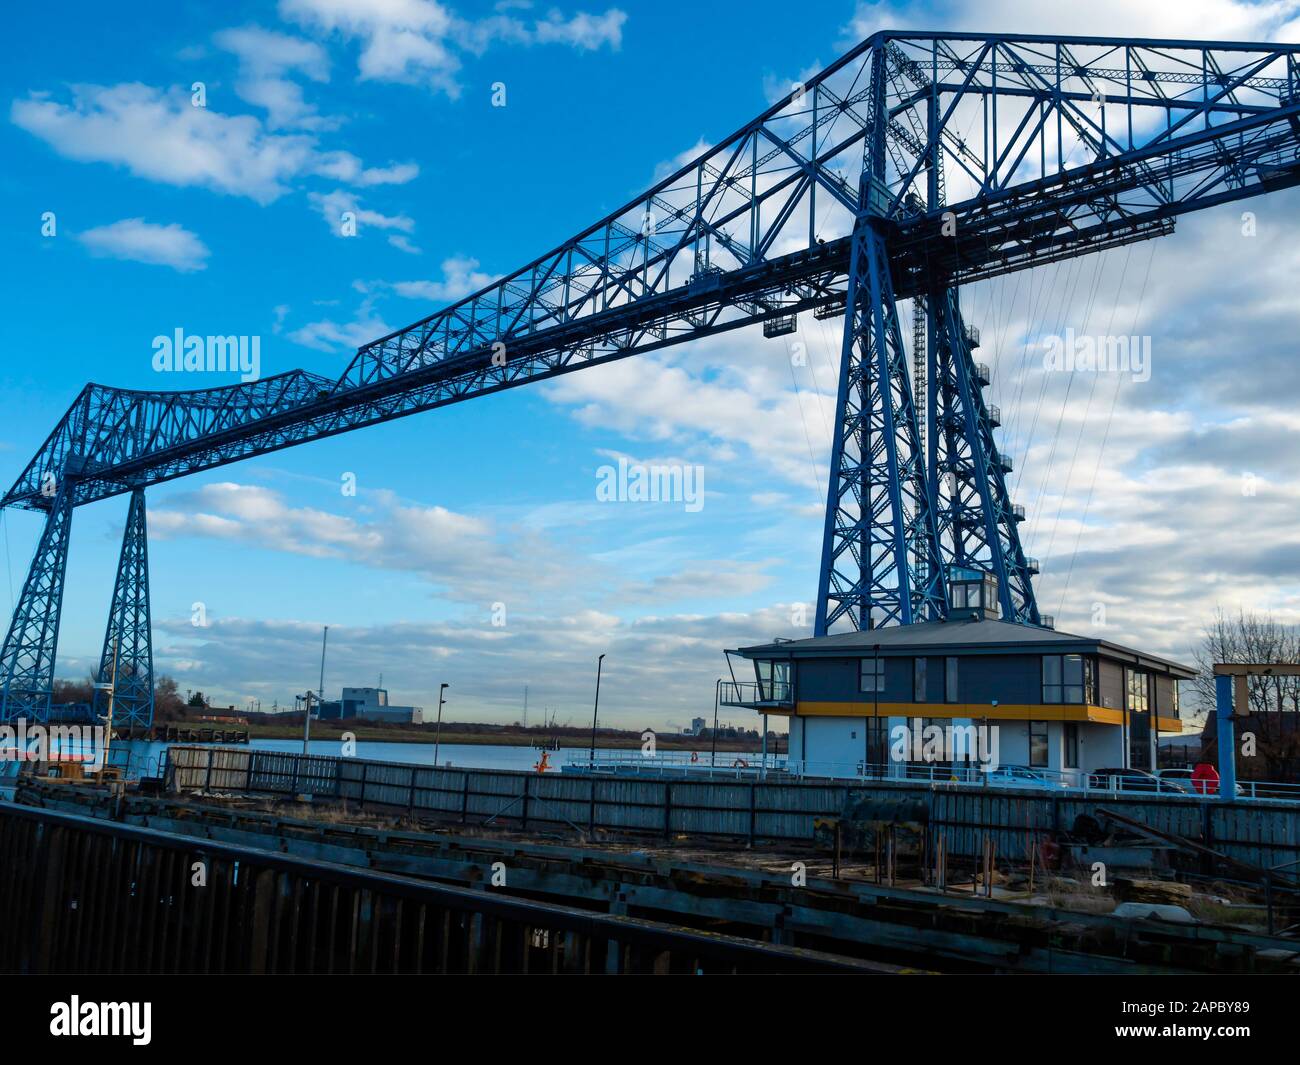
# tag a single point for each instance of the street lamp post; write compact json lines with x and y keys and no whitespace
{"x":595,"y":713}
{"x":717,"y":695}
{"x":111,"y":687}
{"x":321,"y":687}
{"x":306,"y":721}
{"x":873,"y":731}
{"x":437,"y":734}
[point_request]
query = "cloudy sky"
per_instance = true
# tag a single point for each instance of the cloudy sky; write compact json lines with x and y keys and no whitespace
{"x":475,"y":550}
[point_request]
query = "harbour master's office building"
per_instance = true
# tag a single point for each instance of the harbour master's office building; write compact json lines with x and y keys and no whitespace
{"x":1063,"y":704}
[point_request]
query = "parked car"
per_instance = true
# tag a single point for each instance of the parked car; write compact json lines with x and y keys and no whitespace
{"x":1183,"y":777}
{"x":1134,"y":780}
{"x":1019,"y":776}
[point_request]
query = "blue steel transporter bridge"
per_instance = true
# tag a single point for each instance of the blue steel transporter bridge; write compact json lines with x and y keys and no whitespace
{"x":915,"y":164}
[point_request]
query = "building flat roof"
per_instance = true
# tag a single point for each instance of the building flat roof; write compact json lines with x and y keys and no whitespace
{"x":976,"y":636}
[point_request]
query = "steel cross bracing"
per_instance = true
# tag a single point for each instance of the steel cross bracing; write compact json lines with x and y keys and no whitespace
{"x":880,"y":561}
{"x":127,"y":659}
{"x":27,"y":658}
{"x":977,"y":519}
{"x":880,"y":548}
{"x":990,"y":153}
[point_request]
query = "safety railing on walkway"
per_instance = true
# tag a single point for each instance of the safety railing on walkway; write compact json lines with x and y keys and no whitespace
{"x":706,"y":763}
{"x":780,"y":806}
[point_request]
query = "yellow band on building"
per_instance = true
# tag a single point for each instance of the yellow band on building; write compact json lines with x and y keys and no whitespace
{"x":1101,"y":715}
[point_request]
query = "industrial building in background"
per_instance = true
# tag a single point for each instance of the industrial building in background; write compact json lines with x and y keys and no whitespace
{"x":369,"y":704}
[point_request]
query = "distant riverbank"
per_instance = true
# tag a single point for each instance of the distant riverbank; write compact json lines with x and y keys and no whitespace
{"x":505,"y":736}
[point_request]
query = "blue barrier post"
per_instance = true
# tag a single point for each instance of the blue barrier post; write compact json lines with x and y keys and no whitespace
{"x":1227,"y":742}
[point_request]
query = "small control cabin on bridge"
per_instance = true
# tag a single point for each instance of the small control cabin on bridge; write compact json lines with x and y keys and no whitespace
{"x":1062,"y":704}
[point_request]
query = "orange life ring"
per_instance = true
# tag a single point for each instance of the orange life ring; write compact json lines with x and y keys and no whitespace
{"x":740,"y":763}
{"x":695,"y":756}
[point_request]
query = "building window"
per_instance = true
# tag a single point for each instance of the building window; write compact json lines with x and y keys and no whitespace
{"x":1138,"y":704}
{"x":873,"y":674}
{"x":1071,"y":746}
{"x":780,"y":680}
{"x":950,"y":680}
{"x":1038,"y":745}
{"x":773,"y":680}
{"x":1138,"y":686}
{"x":1068,"y":679}
{"x":1174,"y":684}
{"x":919,"y":689}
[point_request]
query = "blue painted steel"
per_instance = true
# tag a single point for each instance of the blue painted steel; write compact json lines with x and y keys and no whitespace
{"x":1200,"y":124}
{"x":979,"y":526}
{"x":987,"y":154}
{"x":127,"y":658}
{"x":27,"y":658}
{"x":880,"y":547}
{"x":1225,"y":737}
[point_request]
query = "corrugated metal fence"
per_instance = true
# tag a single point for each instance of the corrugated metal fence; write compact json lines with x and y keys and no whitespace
{"x":1261,"y":833}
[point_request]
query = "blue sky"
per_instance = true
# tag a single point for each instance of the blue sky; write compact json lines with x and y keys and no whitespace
{"x":227,"y":225}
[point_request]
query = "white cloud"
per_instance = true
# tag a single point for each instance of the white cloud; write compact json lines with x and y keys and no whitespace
{"x":582,"y":31}
{"x":401,"y":40}
{"x":402,"y":243}
{"x":334,"y":205}
{"x":1223,"y":20}
{"x":460,"y":277}
{"x":265,"y":58}
{"x":145,"y":242}
{"x":416,"y":41}
{"x":161,"y":136}
{"x":731,"y":394}
{"x":344,"y":166}
{"x":564,"y":606}
{"x":659,"y":671}
{"x":331,"y":336}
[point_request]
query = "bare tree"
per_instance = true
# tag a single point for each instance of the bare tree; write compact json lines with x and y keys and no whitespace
{"x":1251,"y":637}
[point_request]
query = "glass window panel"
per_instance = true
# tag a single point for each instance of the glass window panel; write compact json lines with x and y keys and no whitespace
{"x":1038,"y":756}
{"x":1073,"y":669}
{"x":1052,"y":669}
{"x":873,"y":675}
{"x":1071,"y":746}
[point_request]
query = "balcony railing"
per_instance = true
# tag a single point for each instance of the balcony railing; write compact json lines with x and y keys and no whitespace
{"x":753,"y":694}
